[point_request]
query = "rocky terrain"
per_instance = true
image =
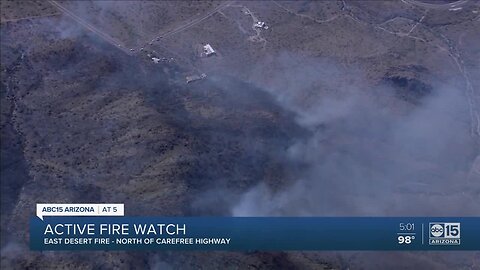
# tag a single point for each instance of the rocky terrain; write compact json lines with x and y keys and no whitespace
{"x":338,"y":108}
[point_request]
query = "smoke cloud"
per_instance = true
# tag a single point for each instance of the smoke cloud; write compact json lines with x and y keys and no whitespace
{"x":369,"y":153}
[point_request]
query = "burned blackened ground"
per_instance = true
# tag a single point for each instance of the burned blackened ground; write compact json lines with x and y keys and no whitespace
{"x":242,"y":137}
{"x":409,"y":89}
{"x":13,"y":169}
{"x":86,"y":124}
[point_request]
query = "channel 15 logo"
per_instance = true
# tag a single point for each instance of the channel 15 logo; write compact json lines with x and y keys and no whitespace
{"x":444,"y":233}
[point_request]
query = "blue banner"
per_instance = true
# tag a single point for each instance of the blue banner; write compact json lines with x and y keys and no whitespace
{"x":255,"y":233}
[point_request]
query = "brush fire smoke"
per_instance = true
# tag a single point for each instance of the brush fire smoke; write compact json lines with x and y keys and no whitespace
{"x":367,"y":152}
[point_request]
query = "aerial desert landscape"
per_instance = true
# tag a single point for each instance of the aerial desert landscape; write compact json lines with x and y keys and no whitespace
{"x":240,"y":108}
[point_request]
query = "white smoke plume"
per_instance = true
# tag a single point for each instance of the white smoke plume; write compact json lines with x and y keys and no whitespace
{"x":369,"y":153}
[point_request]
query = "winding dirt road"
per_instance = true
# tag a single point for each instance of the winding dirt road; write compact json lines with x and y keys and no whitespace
{"x":445,"y":6}
{"x":195,"y":21}
{"x":115,"y":42}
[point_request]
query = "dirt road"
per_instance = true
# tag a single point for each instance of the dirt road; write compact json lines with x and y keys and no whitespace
{"x":115,"y":42}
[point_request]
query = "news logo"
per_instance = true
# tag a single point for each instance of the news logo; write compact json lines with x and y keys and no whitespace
{"x":442,"y":233}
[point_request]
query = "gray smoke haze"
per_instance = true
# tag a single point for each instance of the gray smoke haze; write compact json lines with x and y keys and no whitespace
{"x":369,"y":153}
{"x":65,"y":28}
{"x":156,"y":263}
